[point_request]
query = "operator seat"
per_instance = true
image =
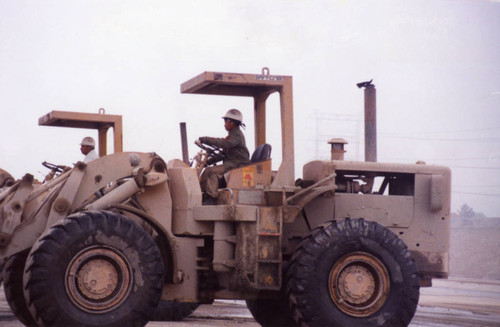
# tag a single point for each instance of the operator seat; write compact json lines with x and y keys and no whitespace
{"x":261,"y":153}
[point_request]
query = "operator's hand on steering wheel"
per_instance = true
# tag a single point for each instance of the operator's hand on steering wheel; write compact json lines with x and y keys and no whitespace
{"x":215,"y":154}
{"x":55,"y":168}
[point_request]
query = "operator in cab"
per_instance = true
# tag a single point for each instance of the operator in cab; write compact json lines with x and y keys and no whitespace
{"x":87,"y":147}
{"x":236,"y":154}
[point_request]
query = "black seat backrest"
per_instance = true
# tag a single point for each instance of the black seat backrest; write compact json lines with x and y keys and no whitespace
{"x":261,"y":153}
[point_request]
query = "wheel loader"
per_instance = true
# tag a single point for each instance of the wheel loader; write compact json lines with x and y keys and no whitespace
{"x":126,"y":238}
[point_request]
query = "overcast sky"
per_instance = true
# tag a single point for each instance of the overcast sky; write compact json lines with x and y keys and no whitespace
{"x":435,"y":64}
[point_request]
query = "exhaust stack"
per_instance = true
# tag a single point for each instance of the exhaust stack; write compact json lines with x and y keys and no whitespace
{"x":185,"y":153}
{"x":370,"y":120}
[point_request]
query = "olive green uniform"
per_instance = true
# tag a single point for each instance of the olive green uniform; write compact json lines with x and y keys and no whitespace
{"x":237,"y":154}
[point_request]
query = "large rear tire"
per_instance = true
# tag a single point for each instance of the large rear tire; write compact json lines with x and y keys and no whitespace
{"x":95,"y":268}
{"x":353,"y":273}
{"x":13,"y":288}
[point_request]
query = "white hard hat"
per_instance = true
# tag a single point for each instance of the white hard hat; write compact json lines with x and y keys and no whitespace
{"x":234,"y":114}
{"x":88,"y":141}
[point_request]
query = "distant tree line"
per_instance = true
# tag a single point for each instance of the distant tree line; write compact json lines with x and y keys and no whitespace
{"x":467,"y":212}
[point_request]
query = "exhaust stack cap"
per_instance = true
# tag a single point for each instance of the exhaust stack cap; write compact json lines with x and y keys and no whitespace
{"x":337,"y":148}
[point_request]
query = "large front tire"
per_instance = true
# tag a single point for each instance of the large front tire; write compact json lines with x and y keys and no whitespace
{"x":13,"y":288}
{"x":353,"y":273}
{"x":95,"y":268}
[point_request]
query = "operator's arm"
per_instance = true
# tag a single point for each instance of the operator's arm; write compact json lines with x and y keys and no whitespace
{"x":225,"y":144}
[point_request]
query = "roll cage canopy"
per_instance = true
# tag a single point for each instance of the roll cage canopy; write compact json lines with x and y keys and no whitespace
{"x":101,"y":122}
{"x":259,"y":87}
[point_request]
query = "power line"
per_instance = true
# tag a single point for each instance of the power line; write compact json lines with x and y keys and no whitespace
{"x":472,"y":186}
{"x":337,"y":117}
{"x":471,"y":158}
{"x":484,"y":139}
{"x":451,"y":131}
{"x":471,"y":193}
{"x":465,"y":167}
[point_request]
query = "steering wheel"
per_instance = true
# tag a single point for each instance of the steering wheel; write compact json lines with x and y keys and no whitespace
{"x":53,"y":167}
{"x":214,"y":153}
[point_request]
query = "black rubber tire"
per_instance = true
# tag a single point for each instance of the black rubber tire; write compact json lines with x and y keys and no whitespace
{"x":308,"y":277}
{"x":173,"y":311}
{"x":70,"y":258}
{"x":271,"y":312}
{"x":13,"y":288}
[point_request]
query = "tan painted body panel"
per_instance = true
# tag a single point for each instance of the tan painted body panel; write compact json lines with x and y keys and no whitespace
{"x":71,"y":192}
{"x":420,"y":218}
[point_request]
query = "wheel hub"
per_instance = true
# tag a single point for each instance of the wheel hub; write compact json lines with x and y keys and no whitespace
{"x":98,"y":279}
{"x":359,"y":284}
{"x":356,"y":284}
